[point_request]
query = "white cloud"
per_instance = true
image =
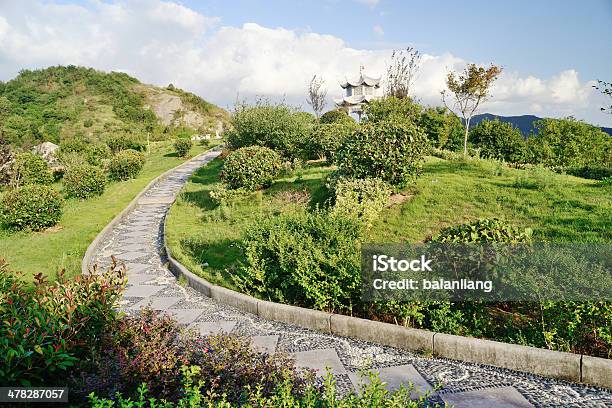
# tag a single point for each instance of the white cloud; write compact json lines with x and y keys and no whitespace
{"x":162,"y":42}
{"x":371,"y":3}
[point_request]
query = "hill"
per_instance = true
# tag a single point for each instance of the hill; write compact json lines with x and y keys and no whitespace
{"x":64,"y":102}
{"x":525,"y":123}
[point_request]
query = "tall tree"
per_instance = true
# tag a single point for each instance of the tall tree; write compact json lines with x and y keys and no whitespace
{"x":317,"y":94}
{"x":606,"y":89}
{"x":468,"y":90}
{"x":402,"y":72}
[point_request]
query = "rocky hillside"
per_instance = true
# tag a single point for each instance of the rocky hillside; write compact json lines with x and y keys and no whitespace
{"x":59,"y":103}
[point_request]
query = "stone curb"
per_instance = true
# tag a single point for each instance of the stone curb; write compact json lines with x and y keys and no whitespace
{"x":549,"y":363}
{"x":119,"y":217}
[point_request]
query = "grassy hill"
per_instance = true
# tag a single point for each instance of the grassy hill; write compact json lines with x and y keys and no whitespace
{"x":64,"y":102}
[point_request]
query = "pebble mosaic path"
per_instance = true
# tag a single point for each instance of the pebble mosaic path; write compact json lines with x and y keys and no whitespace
{"x":137,"y":242}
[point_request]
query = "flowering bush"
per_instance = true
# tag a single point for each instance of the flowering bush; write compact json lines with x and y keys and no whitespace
{"x":46,"y":330}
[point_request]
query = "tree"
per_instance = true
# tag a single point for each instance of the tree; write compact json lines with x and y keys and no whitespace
{"x":391,"y":107}
{"x":402,"y":72}
{"x":606,"y":89}
{"x":499,"y":140}
{"x":317,"y":94}
{"x":469,"y":90}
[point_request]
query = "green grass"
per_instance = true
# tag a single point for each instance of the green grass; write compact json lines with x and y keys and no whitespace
{"x":63,"y":246}
{"x":205,"y":237}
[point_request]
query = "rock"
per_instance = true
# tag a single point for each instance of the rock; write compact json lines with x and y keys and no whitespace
{"x":47,"y":151}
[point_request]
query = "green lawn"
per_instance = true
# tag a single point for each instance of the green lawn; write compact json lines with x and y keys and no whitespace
{"x":559,"y":208}
{"x":63,"y":246}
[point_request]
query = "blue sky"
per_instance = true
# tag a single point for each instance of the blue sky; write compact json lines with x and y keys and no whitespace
{"x":533,"y":37}
{"x":552,"y":52}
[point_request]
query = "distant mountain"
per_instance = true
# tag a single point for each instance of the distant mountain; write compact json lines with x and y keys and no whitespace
{"x":525,"y":123}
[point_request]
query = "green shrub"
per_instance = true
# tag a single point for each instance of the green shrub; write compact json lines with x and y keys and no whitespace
{"x":126,"y":165}
{"x":73,"y":145}
{"x":327,"y":138}
{"x":305,"y":259}
{"x":30,"y":168}
{"x":361,"y":198}
{"x":250,"y":168}
{"x":98,"y":153}
{"x":569,"y":143}
{"x":123,"y":141}
{"x":49,"y":329}
{"x":221,"y":195}
{"x":498,"y":140}
{"x":88,"y":123}
{"x":182,"y":146}
{"x":443,"y":128}
{"x":84,"y":181}
{"x":587,"y":172}
{"x":392,"y":108}
{"x":482,"y":231}
{"x":274,"y":126}
{"x":336,"y":116}
{"x":286,"y":393}
{"x":32,"y":206}
{"x":392,"y":151}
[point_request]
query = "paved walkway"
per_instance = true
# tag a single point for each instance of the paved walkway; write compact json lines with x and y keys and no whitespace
{"x":137,"y":242}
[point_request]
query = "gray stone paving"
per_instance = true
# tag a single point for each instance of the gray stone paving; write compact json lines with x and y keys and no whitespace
{"x":137,"y":241}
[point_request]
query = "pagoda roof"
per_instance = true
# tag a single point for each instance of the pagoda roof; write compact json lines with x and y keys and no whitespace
{"x":354,"y":100}
{"x":363,"y":79}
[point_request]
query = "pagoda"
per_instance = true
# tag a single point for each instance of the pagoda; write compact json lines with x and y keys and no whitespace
{"x":358,"y":92}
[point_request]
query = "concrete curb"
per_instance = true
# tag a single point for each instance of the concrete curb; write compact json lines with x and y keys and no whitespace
{"x":94,"y":244}
{"x":554,"y":364}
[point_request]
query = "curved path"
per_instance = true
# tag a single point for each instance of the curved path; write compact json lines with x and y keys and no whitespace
{"x":137,"y":241}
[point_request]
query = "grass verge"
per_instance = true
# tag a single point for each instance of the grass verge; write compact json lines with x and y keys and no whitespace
{"x":63,"y":246}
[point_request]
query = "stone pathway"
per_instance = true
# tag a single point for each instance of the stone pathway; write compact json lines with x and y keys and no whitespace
{"x":136,"y":241}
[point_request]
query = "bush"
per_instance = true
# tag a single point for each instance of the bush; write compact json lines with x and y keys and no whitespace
{"x":126,"y":165}
{"x":305,"y":259}
{"x":98,"y":153}
{"x":30,"y":168}
{"x":73,"y":145}
{"x":221,"y":195}
{"x":569,"y":143}
{"x":49,"y":329}
{"x":122,"y":141}
{"x":498,"y":140}
{"x":182,"y":147}
{"x":250,"y":168}
{"x":443,"y":128}
{"x":274,"y":126}
{"x":392,"y":108}
{"x":361,"y":198}
{"x":336,"y":116}
{"x":327,"y":138}
{"x":84,"y":181}
{"x":587,"y":172}
{"x":285,"y":393}
{"x":483,"y":231}
{"x":32,"y":206}
{"x":392,"y":151}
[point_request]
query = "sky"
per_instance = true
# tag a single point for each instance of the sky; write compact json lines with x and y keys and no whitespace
{"x":552,"y":52}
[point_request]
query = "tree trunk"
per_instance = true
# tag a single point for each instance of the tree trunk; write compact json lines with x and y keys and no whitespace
{"x":467,"y":129}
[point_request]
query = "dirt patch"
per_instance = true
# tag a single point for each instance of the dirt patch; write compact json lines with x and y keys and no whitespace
{"x":396,"y":199}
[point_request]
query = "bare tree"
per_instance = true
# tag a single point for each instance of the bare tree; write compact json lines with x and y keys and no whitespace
{"x":469,"y":90}
{"x":606,"y":89}
{"x":317,"y":94}
{"x":402,"y":72}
